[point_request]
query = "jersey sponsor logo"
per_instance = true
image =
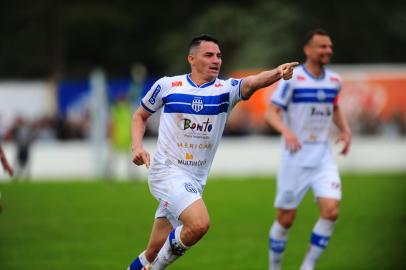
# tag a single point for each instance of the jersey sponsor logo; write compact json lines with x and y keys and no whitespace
{"x":188,"y":161}
{"x":152,"y":99}
{"x":177,"y":83}
{"x":315,"y":111}
{"x":200,"y":146}
{"x":334,"y":79}
{"x":193,"y":163}
{"x":190,"y":188}
{"x":218,"y":85}
{"x":301,"y":78}
{"x":234,"y":82}
{"x":197,"y":104}
{"x":189,"y":156}
{"x":186,"y":124}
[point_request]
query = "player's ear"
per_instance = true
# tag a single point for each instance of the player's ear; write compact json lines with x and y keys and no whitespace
{"x":306,"y":49}
{"x":190,"y":59}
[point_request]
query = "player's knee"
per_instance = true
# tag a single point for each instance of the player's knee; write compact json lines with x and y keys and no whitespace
{"x":197,"y":230}
{"x":200,"y":228}
{"x":286,"y":219}
{"x":331,"y":213}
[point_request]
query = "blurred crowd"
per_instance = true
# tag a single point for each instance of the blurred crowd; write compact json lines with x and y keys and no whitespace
{"x":57,"y":128}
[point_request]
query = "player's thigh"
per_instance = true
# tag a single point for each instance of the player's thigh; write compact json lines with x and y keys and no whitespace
{"x":292,"y":184}
{"x":195,"y":214}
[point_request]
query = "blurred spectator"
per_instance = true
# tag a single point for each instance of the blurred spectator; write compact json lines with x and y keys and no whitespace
{"x":138,"y":75}
{"x":45,"y":130}
{"x":22,"y":134}
{"x":121,"y":114}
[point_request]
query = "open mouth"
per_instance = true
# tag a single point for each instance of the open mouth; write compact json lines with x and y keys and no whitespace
{"x":214,"y":69}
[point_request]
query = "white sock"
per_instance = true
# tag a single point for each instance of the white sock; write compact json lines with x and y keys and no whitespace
{"x":321,"y":234}
{"x":278,"y":236}
{"x":139,"y":262}
{"x":171,"y":250}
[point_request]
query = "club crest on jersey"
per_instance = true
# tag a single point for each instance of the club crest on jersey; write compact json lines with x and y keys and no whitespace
{"x":321,"y":95}
{"x":197,"y":104}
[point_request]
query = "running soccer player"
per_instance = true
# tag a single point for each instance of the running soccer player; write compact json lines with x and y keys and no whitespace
{"x":194,"y":112}
{"x":303,"y":110}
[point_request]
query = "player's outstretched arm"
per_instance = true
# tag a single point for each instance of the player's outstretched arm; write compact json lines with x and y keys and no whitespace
{"x":252,"y":83}
{"x":7,"y":167}
{"x":139,"y":123}
{"x":345,"y":131}
{"x":274,"y":118}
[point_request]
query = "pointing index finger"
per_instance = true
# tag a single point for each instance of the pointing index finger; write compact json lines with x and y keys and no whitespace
{"x":293,"y":64}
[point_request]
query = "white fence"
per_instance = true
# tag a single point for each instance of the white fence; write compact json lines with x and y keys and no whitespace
{"x":236,"y":156}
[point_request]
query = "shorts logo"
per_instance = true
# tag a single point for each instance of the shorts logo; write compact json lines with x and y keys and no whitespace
{"x":190,"y":188}
{"x":234,"y":82}
{"x":197,"y":104}
{"x":335,"y":185}
{"x":152,"y":99}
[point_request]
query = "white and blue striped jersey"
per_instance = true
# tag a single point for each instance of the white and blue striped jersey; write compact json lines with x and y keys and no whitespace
{"x":308,"y":104}
{"x":192,"y":121}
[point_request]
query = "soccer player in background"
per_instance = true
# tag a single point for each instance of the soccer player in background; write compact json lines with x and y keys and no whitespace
{"x":194,"y":112}
{"x":7,"y":167}
{"x":303,"y":109}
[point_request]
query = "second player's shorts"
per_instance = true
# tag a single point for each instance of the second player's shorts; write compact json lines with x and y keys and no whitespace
{"x":175,"y":190}
{"x":293,"y":182}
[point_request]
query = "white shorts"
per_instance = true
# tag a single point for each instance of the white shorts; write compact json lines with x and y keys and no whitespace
{"x":293,"y":182}
{"x":175,"y":190}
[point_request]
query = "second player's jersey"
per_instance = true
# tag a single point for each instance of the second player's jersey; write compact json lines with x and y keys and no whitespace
{"x":192,"y":121}
{"x":308,"y":104}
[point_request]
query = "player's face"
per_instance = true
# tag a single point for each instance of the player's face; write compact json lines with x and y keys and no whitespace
{"x":206,"y":61}
{"x":319,"y":49}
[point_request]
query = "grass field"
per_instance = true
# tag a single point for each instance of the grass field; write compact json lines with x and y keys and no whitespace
{"x":102,"y":225}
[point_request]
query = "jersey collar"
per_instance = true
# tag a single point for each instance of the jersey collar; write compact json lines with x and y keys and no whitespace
{"x":312,"y":76}
{"x":199,"y":86}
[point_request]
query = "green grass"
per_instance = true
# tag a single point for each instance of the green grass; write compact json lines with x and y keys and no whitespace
{"x":102,"y":225}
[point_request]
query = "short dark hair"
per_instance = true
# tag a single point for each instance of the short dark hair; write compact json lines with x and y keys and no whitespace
{"x":312,"y":33}
{"x":195,"y":42}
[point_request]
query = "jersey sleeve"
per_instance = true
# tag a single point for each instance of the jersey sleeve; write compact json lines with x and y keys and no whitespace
{"x":336,"y":101}
{"x":152,"y":100}
{"x":283,"y":93}
{"x":235,"y":91}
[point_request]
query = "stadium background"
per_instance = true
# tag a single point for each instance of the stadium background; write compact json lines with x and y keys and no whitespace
{"x":74,"y":71}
